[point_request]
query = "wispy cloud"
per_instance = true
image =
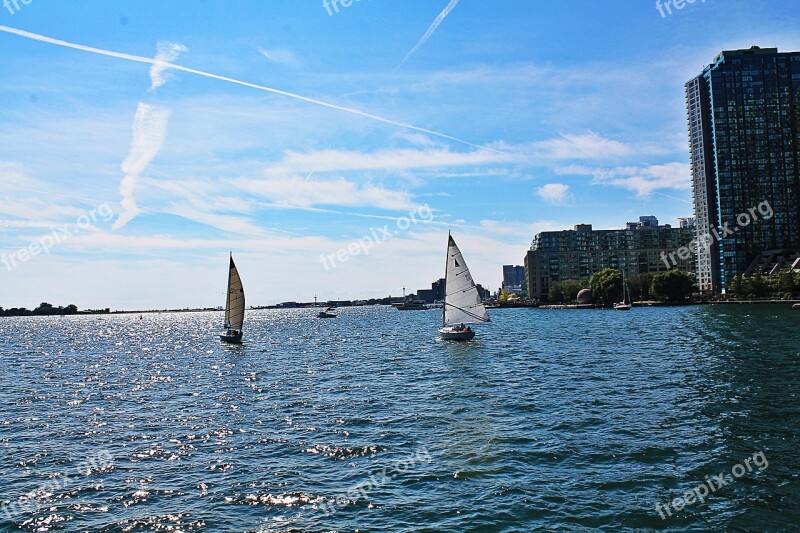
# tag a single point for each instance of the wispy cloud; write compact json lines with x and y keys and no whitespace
{"x":589,"y":145}
{"x":141,"y":59}
{"x":149,"y":132}
{"x":555,"y":193}
{"x":300,"y":192}
{"x":341,"y":160}
{"x":26,"y":210}
{"x":643,"y":180}
{"x":167,"y":52}
{"x":443,"y":15}
{"x":281,"y":56}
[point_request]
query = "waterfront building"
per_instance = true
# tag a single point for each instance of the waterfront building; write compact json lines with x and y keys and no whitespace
{"x":513,"y":276}
{"x":578,"y":253}
{"x":686,"y":222}
{"x":434,"y":294}
{"x":743,"y":113}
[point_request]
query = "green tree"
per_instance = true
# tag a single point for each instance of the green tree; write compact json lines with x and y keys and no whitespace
{"x":672,"y":286}
{"x":565,"y":291}
{"x":555,"y":295}
{"x":737,"y":287}
{"x":44,"y":309}
{"x":757,"y":286}
{"x":71,"y":309}
{"x":646,"y":280}
{"x":606,"y":287}
{"x":782,"y":284}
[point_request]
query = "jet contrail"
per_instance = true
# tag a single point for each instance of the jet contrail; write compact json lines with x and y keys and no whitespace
{"x":140,"y":59}
{"x":446,"y":11}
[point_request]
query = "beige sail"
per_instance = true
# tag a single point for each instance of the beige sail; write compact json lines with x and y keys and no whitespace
{"x":234,"y":306}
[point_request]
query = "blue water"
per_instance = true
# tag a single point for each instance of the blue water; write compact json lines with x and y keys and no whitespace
{"x":549,"y":420}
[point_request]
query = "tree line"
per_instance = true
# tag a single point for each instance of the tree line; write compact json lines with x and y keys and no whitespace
{"x":44,"y":309}
{"x":672,"y":286}
{"x":782,"y":285}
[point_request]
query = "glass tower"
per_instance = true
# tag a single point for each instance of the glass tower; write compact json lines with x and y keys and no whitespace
{"x":743,"y":114}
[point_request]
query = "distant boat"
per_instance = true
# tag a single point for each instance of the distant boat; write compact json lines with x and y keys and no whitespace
{"x":412,"y":305}
{"x":234,"y":307}
{"x":462,"y":303}
{"x":409,"y":305}
{"x":625,"y":304}
{"x":330,"y":312}
{"x":796,"y":306}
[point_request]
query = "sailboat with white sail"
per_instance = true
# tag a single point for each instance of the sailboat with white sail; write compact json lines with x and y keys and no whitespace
{"x":462,"y":303}
{"x":234,"y":307}
{"x":625,"y":304}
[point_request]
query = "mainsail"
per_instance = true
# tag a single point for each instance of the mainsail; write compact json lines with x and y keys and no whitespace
{"x":234,"y":306}
{"x":462,"y":303}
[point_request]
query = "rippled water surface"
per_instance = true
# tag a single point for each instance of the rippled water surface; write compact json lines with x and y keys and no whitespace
{"x":550,"y":420}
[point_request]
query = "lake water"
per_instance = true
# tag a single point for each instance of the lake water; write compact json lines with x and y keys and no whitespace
{"x":550,"y":420}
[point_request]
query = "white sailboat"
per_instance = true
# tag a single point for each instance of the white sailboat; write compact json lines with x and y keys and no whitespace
{"x":234,"y":307}
{"x":625,"y":304}
{"x":462,"y":303}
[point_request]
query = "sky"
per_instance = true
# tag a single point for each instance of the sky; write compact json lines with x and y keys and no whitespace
{"x":331,"y":149}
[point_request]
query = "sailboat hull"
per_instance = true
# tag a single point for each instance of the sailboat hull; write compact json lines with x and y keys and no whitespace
{"x":453,"y":334}
{"x":232,"y":337}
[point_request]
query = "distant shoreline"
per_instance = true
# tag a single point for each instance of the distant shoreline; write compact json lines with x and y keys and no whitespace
{"x":348,"y":304}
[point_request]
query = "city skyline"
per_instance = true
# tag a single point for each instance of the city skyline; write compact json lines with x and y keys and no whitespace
{"x":289,"y":133}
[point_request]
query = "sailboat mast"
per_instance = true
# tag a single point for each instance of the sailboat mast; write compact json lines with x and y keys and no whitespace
{"x":228,"y":297}
{"x":446,"y":266}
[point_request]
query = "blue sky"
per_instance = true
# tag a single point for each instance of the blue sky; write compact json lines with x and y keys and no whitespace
{"x":505,"y":119}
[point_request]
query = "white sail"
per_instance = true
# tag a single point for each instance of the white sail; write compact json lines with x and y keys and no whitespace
{"x":234,"y":306}
{"x":462,"y":303}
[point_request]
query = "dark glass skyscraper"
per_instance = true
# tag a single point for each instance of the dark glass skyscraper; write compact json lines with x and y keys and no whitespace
{"x":743,"y":115}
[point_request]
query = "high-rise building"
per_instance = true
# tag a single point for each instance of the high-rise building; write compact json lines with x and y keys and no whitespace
{"x":743,"y":115}
{"x":513,"y":277}
{"x":578,"y":253}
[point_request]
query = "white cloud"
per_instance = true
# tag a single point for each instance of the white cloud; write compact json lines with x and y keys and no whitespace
{"x":149,"y":132}
{"x":523,"y":230}
{"x":391,"y":159}
{"x":643,"y":180}
{"x":167,"y":53}
{"x":281,"y":56}
{"x":296,"y":191}
{"x":555,"y":193}
{"x":589,"y":145}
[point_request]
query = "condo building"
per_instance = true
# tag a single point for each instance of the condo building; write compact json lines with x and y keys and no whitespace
{"x":642,"y":247}
{"x":743,"y":114}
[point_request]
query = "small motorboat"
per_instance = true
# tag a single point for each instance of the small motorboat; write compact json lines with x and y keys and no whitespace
{"x":796,"y":306}
{"x":327,"y":313}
